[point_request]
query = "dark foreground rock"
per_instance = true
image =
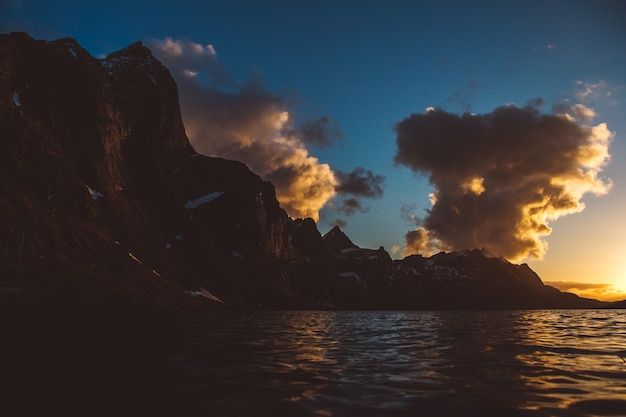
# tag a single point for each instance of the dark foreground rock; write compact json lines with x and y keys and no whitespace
{"x":62,"y":360}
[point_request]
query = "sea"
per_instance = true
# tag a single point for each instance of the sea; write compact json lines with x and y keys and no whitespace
{"x":402,"y":363}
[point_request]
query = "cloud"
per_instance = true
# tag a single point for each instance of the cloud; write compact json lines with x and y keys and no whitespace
{"x":582,"y":112}
{"x":407,"y":211}
{"x":360,"y":182}
{"x":500,"y":177}
{"x":350,"y":206}
{"x":321,"y":132}
{"x":578,"y":111}
{"x":463,"y":95}
{"x":573,"y":285}
{"x":535,"y":102}
{"x":422,"y":241}
{"x":186,"y":49}
{"x":589,"y":91}
{"x":191,"y":59}
{"x":415,"y":241}
{"x":249,"y":124}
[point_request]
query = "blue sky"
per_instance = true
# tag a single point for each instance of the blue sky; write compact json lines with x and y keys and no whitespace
{"x":367,"y":65}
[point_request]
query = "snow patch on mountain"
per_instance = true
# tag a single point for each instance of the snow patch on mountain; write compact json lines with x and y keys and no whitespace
{"x":95,"y":195}
{"x":16,"y":99}
{"x":205,"y":294}
{"x":354,"y":277}
{"x":192,"y":204}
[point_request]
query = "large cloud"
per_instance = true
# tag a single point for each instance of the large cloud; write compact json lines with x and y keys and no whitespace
{"x":251,"y":125}
{"x":500,"y":177}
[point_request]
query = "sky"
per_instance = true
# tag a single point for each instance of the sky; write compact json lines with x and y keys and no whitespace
{"x":417,"y":126}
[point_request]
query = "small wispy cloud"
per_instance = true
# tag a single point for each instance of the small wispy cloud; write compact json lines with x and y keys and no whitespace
{"x":349,"y":206}
{"x":360,"y":182}
{"x":587,"y":91}
{"x":462,"y":96}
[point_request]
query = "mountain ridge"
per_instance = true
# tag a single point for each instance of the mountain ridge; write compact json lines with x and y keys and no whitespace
{"x":116,"y":206}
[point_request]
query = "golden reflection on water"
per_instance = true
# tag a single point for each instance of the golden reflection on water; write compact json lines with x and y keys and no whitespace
{"x":309,"y":338}
{"x":573,"y":356}
{"x":556,"y":358}
{"x":523,"y":363}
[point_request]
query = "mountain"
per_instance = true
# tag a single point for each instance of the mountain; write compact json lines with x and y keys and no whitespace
{"x":470,"y":279}
{"x":104,"y":200}
{"x":99,"y":181}
{"x":365,"y":275}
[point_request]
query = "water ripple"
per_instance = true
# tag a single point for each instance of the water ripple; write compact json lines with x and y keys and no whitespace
{"x":504,"y":363}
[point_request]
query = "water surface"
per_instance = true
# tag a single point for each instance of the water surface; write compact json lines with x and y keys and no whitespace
{"x":462,"y":363}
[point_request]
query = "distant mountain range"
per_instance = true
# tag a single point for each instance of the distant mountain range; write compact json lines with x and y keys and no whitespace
{"x":104,"y":200}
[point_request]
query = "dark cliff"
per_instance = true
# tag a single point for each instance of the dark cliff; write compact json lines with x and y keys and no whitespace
{"x":104,"y":200}
{"x":112,"y":203}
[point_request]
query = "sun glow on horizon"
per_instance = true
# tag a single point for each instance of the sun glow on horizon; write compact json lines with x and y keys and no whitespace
{"x":598,"y":291}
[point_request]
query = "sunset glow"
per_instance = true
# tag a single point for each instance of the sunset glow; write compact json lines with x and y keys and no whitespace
{"x":604,"y":292}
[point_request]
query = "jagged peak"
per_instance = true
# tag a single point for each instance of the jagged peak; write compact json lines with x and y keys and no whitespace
{"x":18,"y":36}
{"x":66,"y":41}
{"x":134,"y":49}
{"x":24,"y":40}
{"x":336,"y":239}
{"x":136,"y":57}
{"x":476,"y":252}
{"x":335,"y":231}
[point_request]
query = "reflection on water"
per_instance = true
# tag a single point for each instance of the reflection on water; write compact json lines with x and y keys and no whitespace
{"x":501,"y":363}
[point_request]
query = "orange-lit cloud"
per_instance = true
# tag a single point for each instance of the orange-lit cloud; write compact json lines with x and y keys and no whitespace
{"x":252,"y":125}
{"x":423,"y":242}
{"x":501,"y":177}
{"x":604,"y":292}
{"x":248,"y":124}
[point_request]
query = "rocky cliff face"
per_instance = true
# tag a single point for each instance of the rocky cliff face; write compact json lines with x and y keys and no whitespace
{"x":104,"y":200}
{"x":113,"y":203}
{"x":365,"y":275}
